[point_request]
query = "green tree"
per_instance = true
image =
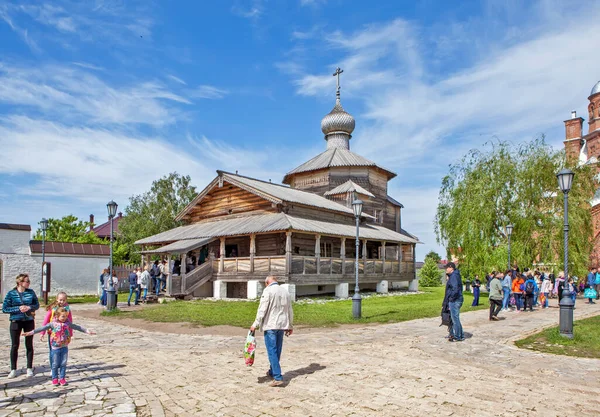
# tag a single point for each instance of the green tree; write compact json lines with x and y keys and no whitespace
{"x":430,"y":275}
{"x":69,"y":229}
{"x":513,"y":184}
{"x":154,"y":212}
{"x":433,"y":255}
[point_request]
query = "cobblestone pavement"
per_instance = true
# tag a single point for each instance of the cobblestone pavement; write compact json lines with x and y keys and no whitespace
{"x":402,"y":369}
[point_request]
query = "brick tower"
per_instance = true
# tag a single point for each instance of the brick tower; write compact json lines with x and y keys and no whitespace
{"x":585,"y":149}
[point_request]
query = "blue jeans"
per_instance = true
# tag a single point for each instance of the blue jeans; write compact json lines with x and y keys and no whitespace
{"x":519,"y":300}
{"x":506,"y":297}
{"x":456,"y":331}
{"x":59,"y":362}
{"x":546,"y":294}
{"x":133,"y":289}
{"x":157,"y":285}
{"x":103,"y":297}
{"x":145,"y":294}
{"x":573,"y":297}
{"x":274,"y":344}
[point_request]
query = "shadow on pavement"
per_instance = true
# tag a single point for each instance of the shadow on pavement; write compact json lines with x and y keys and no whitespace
{"x":310,"y":369}
{"x":35,"y":396}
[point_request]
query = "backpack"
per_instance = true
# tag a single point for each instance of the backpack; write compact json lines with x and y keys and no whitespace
{"x":144,"y":280}
{"x":529,"y":288}
{"x":153,"y":271}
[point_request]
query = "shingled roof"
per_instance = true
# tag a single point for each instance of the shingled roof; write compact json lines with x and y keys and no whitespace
{"x":274,"y":222}
{"x":335,"y":157}
{"x":68,"y":248}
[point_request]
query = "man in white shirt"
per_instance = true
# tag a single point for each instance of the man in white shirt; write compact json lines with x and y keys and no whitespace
{"x":275,"y":316}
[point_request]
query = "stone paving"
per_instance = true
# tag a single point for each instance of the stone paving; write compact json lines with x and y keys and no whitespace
{"x":402,"y":369}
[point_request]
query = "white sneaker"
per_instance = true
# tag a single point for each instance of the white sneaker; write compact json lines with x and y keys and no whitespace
{"x":29,"y":372}
{"x":12,"y":374}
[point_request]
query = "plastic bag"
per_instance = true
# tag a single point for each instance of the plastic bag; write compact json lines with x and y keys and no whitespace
{"x":249,"y":349}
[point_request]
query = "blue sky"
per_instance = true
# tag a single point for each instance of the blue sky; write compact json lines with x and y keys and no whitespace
{"x":100,"y":98}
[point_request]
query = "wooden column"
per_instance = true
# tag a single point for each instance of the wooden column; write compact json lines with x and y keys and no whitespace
{"x":343,"y":255}
{"x":222,"y":255}
{"x":182,"y":271}
{"x":252,"y":251}
{"x":288,"y":252}
{"x":169,"y":275}
{"x":382,"y":256}
{"x":318,"y":253}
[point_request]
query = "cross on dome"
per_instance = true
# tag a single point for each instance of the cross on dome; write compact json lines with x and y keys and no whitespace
{"x":337,"y":73}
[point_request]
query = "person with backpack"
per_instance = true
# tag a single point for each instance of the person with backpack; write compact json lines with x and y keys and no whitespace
{"x":517,"y":290}
{"x":591,"y":283}
{"x":531,"y":288}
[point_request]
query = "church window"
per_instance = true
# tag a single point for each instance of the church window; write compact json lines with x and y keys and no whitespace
{"x":378,"y":216}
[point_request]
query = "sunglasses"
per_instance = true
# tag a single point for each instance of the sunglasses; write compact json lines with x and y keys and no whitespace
{"x":26,"y":281}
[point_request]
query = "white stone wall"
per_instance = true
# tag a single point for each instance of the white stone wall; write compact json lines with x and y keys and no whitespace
{"x":13,"y":265}
{"x":76,"y":275}
{"x":14,"y":242}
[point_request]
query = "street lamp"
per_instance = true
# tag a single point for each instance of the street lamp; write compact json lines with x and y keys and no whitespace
{"x":565,"y":180}
{"x":111,"y":299}
{"x":509,"y":230}
{"x":357,"y":206}
{"x":44,"y":227}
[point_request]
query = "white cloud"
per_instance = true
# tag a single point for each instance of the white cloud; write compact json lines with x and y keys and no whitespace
{"x":90,"y":164}
{"x":176,"y":79}
{"x":209,"y":92}
{"x":55,"y":89}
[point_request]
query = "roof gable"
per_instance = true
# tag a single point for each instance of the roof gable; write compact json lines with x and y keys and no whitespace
{"x":349,"y":186}
{"x":271,"y":193}
{"x":335,"y":157}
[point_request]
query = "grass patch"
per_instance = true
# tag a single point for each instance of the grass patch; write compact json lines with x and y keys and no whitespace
{"x":585,"y":343}
{"x":111,"y":313}
{"x":83,"y":299}
{"x":387,"y":309}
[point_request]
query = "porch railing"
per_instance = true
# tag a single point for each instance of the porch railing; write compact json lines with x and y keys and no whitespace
{"x":308,"y":265}
{"x":261,"y":264}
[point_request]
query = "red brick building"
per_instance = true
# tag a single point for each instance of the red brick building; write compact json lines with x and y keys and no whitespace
{"x":586,"y":150}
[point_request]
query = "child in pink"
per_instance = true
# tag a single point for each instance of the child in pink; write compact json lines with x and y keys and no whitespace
{"x":61,"y":330}
{"x":60,"y":301}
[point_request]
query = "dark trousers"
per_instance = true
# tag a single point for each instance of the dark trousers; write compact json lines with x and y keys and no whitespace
{"x":528,"y":302}
{"x":16,"y":327}
{"x":475,"y":297}
{"x":495,"y":307}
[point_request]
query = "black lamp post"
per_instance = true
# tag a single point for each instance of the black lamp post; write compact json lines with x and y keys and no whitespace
{"x":565,"y":180}
{"x":44,"y":227}
{"x":111,"y":299}
{"x":357,"y":206}
{"x":509,"y":230}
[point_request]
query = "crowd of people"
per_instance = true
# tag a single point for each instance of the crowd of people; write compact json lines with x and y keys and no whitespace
{"x":152,"y":277}
{"x":513,"y":291}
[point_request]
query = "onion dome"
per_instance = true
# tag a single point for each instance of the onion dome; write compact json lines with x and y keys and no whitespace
{"x":338,"y":121}
{"x":596,"y":89}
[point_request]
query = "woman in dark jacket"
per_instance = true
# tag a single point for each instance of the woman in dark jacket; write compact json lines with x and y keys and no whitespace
{"x":21,"y":303}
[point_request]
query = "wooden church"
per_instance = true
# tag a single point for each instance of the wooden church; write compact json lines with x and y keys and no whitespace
{"x":239,"y":229}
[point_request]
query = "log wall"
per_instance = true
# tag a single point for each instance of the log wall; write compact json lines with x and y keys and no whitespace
{"x":229,"y":200}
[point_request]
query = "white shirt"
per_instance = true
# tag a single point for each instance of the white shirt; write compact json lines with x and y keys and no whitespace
{"x":275,"y":309}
